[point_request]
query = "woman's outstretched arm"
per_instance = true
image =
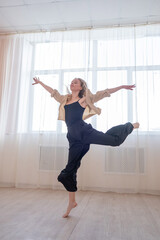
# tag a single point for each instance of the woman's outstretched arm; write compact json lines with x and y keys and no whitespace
{"x":54,"y":92}
{"x":128,"y":87}
{"x":107,"y":92}
{"x":49,"y":89}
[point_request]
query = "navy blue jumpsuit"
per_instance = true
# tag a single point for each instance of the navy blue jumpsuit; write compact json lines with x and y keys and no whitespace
{"x":80,"y":135}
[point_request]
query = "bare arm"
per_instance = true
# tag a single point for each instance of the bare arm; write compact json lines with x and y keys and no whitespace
{"x":128,"y":87}
{"x":54,"y":92}
{"x":49,"y":89}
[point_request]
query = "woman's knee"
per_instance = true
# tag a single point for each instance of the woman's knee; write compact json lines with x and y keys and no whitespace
{"x":116,"y":142}
{"x":112,"y":140}
{"x":68,"y":182}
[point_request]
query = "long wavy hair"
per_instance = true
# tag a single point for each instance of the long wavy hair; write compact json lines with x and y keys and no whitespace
{"x":84,"y":87}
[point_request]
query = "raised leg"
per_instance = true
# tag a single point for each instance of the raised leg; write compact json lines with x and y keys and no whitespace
{"x":113,"y":137}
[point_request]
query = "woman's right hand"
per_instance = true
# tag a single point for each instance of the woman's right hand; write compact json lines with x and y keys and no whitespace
{"x":36,"y":80}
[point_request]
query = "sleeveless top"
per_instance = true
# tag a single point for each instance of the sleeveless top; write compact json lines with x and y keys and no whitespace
{"x":73,"y":113}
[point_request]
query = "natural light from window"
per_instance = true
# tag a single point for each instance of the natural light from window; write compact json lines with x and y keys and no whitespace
{"x":103,"y":64}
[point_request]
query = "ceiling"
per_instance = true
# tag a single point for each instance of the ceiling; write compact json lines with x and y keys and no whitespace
{"x":50,"y":15}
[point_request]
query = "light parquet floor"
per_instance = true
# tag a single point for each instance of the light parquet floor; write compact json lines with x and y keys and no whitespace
{"x":36,"y":214}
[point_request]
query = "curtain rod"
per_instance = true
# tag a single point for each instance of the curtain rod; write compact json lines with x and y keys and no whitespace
{"x":83,"y":28}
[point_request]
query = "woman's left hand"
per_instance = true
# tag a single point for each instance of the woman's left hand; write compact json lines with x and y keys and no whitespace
{"x":129,"y":87}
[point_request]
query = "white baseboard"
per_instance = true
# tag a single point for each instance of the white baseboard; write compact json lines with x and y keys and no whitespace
{"x":80,"y":188}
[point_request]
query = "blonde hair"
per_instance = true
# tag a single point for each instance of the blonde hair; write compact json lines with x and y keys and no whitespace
{"x":84,"y":87}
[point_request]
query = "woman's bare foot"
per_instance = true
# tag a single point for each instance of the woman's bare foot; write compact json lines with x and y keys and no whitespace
{"x":136,"y":125}
{"x":70,"y":206}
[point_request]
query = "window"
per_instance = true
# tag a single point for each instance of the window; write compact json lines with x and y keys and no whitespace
{"x":103,"y":64}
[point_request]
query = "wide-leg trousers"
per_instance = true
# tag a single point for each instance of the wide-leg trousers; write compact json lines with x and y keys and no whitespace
{"x":80,"y":135}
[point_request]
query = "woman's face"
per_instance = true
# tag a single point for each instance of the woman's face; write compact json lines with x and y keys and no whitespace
{"x":75,"y":85}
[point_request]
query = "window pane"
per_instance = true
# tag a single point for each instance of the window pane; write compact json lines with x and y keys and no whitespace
{"x":77,"y":54}
{"x":116,"y":53}
{"x":147,"y":51}
{"x":146,"y":100}
{"x":45,"y":108}
{"x":47,"y":56}
{"x":56,"y":55}
{"x":115,"y":108}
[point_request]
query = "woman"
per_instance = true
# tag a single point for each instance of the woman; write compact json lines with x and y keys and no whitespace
{"x":74,"y":109}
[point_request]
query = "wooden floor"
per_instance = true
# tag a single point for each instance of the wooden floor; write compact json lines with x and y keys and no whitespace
{"x":29,"y":214}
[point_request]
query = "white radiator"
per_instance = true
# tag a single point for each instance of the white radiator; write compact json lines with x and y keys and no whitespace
{"x":53,"y":158}
{"x":125,"y":160}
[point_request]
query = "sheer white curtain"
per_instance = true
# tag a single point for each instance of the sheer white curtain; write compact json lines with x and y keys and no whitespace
{"x":33,"y":144}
